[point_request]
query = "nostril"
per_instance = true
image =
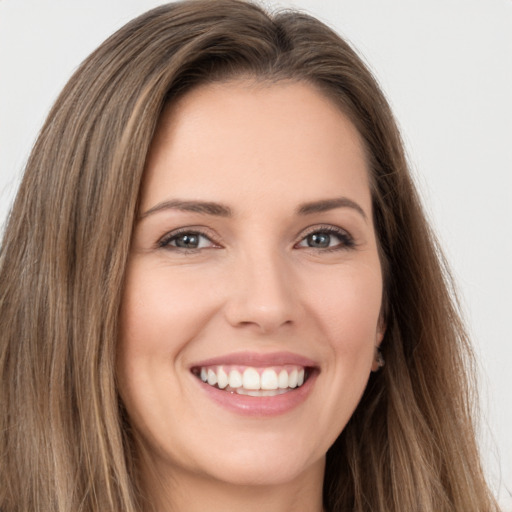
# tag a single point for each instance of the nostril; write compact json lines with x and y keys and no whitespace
{"x":261,"y":296}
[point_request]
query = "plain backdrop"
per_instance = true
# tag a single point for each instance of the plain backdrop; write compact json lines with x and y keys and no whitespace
{"x":446,"y":67}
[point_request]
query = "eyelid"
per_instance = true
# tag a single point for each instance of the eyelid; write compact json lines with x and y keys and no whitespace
{"x":348,"y":241}
{"x":164,"y":241}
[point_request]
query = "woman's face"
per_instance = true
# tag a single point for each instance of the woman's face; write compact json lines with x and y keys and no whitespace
{"x":254,"y":266}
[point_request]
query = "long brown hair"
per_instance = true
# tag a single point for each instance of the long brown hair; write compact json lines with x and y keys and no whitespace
{"x":65,"y":444}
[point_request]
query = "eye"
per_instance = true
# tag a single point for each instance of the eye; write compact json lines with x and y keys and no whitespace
{"x":183,"y":240}
{"x":329,"y":238}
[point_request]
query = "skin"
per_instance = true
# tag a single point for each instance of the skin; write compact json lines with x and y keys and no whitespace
{"x":253,"y":284}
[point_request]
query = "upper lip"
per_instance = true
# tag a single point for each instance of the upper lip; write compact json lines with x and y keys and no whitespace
{"x":257,"y":359}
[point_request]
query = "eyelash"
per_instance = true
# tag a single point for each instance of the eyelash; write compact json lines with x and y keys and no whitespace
{"x":346,"y":240}
{"x":165,"y":241}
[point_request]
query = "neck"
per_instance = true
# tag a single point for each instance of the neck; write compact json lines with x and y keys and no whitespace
{"x":197,"y":493}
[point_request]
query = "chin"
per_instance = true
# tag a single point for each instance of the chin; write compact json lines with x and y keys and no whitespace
{"x":264,"y":466}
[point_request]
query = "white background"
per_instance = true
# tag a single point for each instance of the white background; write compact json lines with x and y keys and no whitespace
{"x":446,"y":66}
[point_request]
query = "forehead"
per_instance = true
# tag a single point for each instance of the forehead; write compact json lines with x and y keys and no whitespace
{"x":243,"y":139}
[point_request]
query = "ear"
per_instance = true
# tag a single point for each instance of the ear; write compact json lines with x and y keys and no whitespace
{"x":381,"y":330}
{"x":378,"y":360}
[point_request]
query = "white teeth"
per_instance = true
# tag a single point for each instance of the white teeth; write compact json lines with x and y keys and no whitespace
{"x":261,"y":392}
{"x":212,"y":377}
{"x":222,"y":378}
{"x":269,"y":379}
{"x":251,"y":379}
{"x":235,"y":379}
{"x":283,"y":379}
{"x":293,"y":379}
{"x":300,"y":378}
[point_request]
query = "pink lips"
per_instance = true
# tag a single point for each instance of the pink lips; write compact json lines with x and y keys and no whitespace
{"x":260,"y":405}
{"x":257,"y":359}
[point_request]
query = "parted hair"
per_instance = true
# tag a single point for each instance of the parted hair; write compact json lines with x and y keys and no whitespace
{"x":65,"y":441}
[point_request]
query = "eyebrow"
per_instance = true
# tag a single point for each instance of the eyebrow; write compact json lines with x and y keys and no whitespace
{"x":221,"y":210}
{"x":325,"y":205}
{"x":204,"y":207}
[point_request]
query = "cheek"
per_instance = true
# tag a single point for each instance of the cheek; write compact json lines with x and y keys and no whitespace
{"x":159,"y":315}
{"x":162,"y":311}
{"x":349,"y":306}
{"x":346,"y":310}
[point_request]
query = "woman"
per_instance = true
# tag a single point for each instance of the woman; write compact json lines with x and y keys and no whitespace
{"x":199,"y":316}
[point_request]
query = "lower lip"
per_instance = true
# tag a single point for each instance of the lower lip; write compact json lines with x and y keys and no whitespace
{"x":260,"y":405}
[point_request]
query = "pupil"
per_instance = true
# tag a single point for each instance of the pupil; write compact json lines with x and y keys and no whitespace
{"x":187,"y":241}
{"x":319,"y":240}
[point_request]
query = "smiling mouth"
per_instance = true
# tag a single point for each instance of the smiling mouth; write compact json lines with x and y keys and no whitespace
{"x":254,"y":381}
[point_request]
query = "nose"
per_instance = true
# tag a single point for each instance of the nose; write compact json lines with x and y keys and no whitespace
{"x":262,"y":294}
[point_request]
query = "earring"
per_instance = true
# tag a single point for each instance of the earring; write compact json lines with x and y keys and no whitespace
{"x":379,"y":362}
{"x":380,"y":358}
